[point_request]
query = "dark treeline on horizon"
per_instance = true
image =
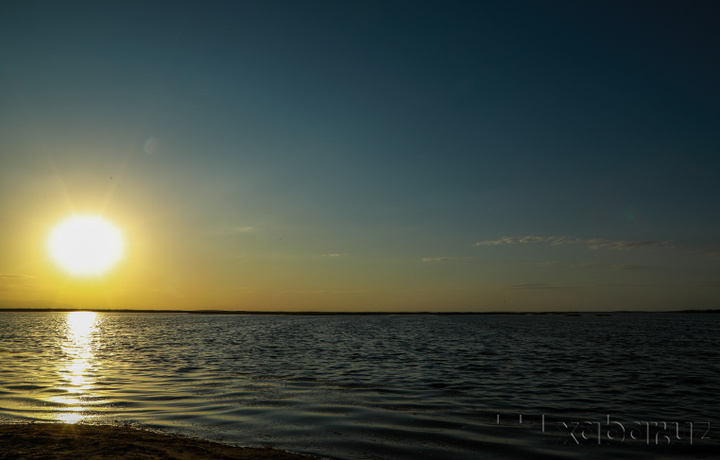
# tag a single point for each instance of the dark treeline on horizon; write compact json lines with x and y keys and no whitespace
{"x":356,"y":313}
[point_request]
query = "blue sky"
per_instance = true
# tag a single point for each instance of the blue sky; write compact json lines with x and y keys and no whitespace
{"x":351,"y":155}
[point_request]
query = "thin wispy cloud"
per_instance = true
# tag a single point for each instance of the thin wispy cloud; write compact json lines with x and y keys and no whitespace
{"x":324,"y":292}
{"x":241,"y":229}
{"x":335,"y":254}
{"x":542,"y":286}
{"x":584,"y":265}
{"x":18,"y":282}
{"x":592,"y":243}
{"x":549,"y":263}
{"x":9,"y":276}
{"x":559,"y":264}
{"x":710,"y":284}
{"x":627,"y":267}
{"x":228,"y":231}
{"x":438,"y":259}
{"x":539,"y":286}
{"x":624,"y":285}
{"x":445,"y":259}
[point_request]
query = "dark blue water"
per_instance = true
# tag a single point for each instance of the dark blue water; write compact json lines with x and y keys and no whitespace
{"x":380,"y":387}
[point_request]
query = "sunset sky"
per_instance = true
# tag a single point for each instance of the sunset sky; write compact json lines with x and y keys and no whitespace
{"x":340,"y":155}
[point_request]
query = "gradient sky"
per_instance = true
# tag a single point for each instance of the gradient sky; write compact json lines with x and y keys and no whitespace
{"x":338,"y":155}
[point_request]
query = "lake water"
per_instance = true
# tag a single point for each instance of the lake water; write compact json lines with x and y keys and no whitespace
{"x":378,"y":386}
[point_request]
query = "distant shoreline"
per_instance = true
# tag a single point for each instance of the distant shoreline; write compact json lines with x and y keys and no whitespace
{"x":355,"y":313}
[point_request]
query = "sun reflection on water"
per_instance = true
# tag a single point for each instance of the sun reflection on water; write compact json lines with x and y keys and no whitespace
{"x":77,"y":371}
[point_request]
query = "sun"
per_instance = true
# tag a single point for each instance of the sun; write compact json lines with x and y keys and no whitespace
{"x":86,"y":245}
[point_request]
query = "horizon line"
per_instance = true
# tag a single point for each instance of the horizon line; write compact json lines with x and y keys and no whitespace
{"x":367,"y":313}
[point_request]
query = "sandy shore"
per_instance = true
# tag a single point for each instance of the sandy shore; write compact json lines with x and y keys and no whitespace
{"x":49,"y":441}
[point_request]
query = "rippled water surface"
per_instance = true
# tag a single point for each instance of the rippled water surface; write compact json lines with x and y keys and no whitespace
{"x":378,"y":387}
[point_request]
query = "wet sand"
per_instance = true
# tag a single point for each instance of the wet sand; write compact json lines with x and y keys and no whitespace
{"x":49,"y":441}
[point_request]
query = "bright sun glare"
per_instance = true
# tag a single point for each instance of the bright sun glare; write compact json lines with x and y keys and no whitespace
{"x":86,"y":245}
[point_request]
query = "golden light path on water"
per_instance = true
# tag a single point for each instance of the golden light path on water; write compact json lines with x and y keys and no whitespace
{"x":77,"y":371}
